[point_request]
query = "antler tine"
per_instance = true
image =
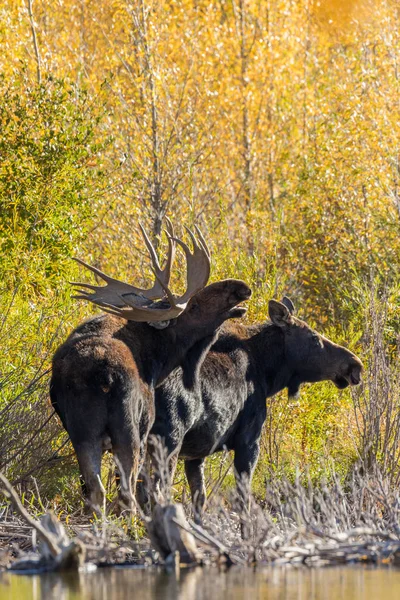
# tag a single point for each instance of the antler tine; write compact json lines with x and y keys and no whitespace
{"x":169,"y":231}
{"x":169,"y":294}
{"x":203,"y":241}
{"x":195,"y":243}
{"x":198,"y":267}
{"x":150,"y":248}
{"x":169,"y":226}
{"x":170,"y":258}
{"x":183,"y":245}
{"x":94,"y":270}
{"x":162,"y":275}
{"x":191,"y":234}
{"x":89,"y":286}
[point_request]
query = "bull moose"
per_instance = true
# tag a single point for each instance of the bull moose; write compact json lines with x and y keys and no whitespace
{"x":104,"y":375}
{"x":227,"y":409}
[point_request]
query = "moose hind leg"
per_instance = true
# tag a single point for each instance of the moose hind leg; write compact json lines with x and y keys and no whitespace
{"x":245,"y":461}
{"x":89,"y":460}
{"x":194,"y":470}
{"x":126,"y":450}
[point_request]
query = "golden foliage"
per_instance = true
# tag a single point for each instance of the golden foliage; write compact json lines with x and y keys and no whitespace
{"x":273,"y":124}
{"x":279,"y":119}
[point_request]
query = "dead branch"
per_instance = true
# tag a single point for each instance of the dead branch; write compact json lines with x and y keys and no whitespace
{"x":35,"y":42}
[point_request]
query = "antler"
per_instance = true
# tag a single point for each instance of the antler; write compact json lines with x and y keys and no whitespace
{"x":198,"y":264}
{"x":111,"y":293}
{"x":131,"y":303}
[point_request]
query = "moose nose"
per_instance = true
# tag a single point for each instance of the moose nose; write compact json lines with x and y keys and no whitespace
{"x":355,"y":373}
{"x":244,"y":292}
{"x":355,"y":377}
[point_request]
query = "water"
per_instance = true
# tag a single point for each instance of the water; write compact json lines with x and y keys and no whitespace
{"x":347,"y":583}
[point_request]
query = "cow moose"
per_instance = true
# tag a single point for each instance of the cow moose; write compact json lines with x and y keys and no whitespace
{"x":104,"y":375}
{"x":227,"y":409}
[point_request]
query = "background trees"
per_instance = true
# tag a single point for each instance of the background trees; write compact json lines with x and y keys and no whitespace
{"x":275,"y":125}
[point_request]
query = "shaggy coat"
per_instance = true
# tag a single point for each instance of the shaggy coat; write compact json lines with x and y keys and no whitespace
{"x":245,"y":366}
{"x":105,"y":374}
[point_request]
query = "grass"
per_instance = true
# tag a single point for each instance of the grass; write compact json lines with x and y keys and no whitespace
{"x":321,"y":438}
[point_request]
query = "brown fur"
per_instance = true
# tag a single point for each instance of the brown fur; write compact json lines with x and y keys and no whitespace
{"x":104,"y":376}
{"x":245,"y":366}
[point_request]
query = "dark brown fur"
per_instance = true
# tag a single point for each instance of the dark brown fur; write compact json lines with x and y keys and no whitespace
{"x":245,"y":366}
{"x":104,"y":376}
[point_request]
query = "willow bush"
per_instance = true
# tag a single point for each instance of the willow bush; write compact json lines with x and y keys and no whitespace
{"x":50,"y":177}
{"x":51,"y":187}
{"x":272,"y":125}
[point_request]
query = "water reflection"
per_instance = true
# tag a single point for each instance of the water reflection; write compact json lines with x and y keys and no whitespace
{"x":348,"y":583}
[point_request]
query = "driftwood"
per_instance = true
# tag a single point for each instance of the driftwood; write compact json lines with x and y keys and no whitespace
{"x":289,"y":531}
{"x":168,"y":530}
{"x":56,"y":550}
{"x":170,"y":535}
{"x":358,"y":545}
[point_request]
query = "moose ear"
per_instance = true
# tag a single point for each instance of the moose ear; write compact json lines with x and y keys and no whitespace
{"x":279,"y":313}
{"x":289,"y":304}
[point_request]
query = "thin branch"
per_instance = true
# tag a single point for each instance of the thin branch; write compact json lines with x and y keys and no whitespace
{"x":35,"y":42}
{"x":36,"y":433}
{"x":8,"y":491}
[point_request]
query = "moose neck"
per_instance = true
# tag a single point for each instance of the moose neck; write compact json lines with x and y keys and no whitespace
{"x":267,"y":347}
{"x":164,"y":350}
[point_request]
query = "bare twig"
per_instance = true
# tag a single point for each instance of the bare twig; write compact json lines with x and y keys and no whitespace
{"x":8,"y":490}
{"x":35,"y":42}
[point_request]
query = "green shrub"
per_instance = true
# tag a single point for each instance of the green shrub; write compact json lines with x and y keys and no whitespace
{"x":51,"y":177}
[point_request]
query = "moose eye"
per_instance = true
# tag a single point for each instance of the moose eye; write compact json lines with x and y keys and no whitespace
{"x":194,"y":307}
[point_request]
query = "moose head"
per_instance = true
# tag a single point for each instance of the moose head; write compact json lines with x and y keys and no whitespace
{"x":310,"y":356}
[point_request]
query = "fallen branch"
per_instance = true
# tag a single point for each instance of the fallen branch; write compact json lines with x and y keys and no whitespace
{"x":57,"y":551}
{"x":169,"y":533}
{"x":47,"y":537}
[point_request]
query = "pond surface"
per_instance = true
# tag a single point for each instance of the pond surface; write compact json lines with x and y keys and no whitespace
{"x":347,"y":583}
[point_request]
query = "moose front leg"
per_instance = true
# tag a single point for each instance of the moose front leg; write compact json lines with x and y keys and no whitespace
{"x":160,"y":488}
{"x":244,"y":462}
{"x":246,"y":446}
{"x":194,"y":470}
